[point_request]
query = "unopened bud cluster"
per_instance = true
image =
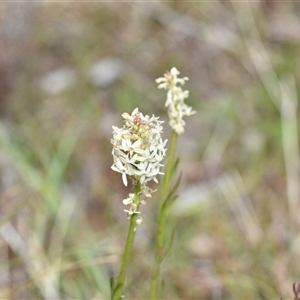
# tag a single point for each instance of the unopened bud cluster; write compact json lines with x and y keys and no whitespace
{"x":177,"y":109}
{"x":138,"y":151}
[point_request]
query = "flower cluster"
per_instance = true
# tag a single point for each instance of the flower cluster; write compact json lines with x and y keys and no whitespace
{"x":138,"y":151}
{"x":177,"y":109}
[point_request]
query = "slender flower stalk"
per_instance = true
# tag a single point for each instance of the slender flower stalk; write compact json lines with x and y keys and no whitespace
{"x":170,"y":164}
{"x":138,"y":151}
{"x":162,"y":219}
{"x":177,"y":109}
{"x":119,"y":284}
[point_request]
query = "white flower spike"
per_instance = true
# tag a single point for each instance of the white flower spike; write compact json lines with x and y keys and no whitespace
{"x":138,"y":151}
{"x":177,"y":109}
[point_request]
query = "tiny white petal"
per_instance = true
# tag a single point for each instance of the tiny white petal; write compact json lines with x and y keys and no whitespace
{"x":124,"y":178}
{"x":135,"y":111}
{"x":139,"y":221}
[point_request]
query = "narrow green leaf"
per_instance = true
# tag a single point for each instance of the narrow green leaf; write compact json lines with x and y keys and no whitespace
{"x":172,"y":192}
{"x":112,"y":286}
{"x":168,"y":245}
{"x":175,"y":168}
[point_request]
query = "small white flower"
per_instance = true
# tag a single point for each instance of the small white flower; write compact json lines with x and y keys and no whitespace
{"x":129,"y":200}
{"x":139,"y":221}
{"x":177,"y":109}
{"x":132,"y":210}
{"x":146,"y":191}
{"x":170,"y":79}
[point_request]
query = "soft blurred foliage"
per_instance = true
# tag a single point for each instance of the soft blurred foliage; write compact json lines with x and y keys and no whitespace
{"x":67,"y":73}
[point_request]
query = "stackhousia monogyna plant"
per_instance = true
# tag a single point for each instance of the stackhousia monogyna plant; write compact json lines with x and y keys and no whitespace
{"x":138,"y":152}
{"x":177,"y":109}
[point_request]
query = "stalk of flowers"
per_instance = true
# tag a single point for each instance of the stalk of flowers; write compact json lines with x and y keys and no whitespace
{"x":138,"y":151}
{"x":177,"y":109}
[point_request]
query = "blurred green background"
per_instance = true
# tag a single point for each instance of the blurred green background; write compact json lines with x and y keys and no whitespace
{"x":67,"y":73}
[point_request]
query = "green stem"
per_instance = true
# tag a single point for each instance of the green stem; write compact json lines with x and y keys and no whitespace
{"x":119,"y":284}
{"x":169,"y":166}
{"x":163,"y":212}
